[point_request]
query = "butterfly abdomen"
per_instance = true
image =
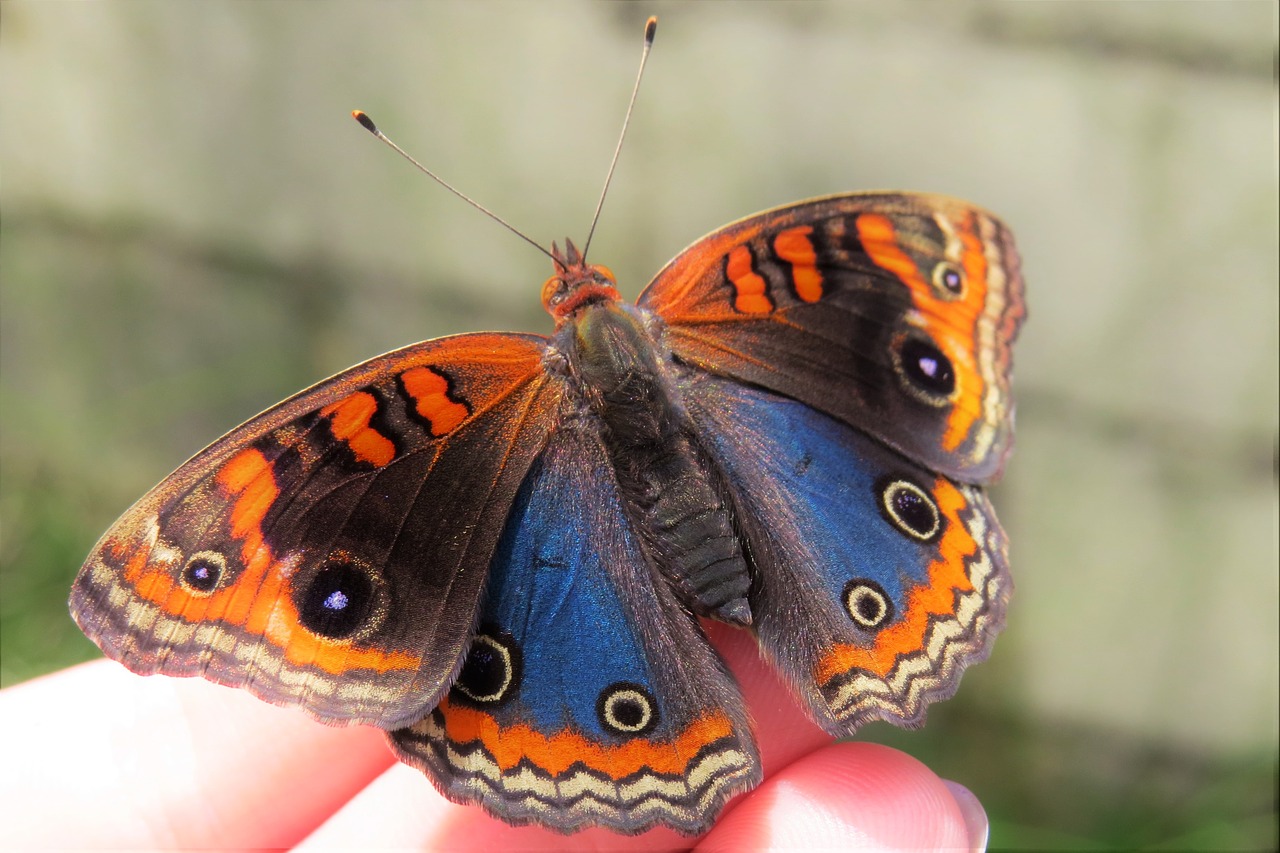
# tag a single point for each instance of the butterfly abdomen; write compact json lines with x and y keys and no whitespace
{"x":668,"y":486}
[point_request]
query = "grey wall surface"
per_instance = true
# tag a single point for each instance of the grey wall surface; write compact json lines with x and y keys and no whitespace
{"x":193,"y":228}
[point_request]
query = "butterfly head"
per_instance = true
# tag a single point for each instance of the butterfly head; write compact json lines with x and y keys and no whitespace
{"x":576,"y":284}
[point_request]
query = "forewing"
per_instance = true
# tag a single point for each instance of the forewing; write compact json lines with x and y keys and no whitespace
{"x":329,"y":554}
{"x":894,"y":313}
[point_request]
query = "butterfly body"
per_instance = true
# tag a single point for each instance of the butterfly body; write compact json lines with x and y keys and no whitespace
{"x":497,"y":546}
{"x":623,"y":378}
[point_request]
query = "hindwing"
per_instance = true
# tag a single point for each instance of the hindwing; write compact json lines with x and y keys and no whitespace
{"x":877,"y":581}
{"x":590,"y":696}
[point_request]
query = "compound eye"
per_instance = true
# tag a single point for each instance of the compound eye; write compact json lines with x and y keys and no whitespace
{"x":552,"y":291}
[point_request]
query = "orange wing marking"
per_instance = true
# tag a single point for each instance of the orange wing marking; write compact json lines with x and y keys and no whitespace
{"x":350,"y":424}
{"x":795,"y":247}
{"x":952,"y":325}
{"x":430,"y":392}
{"x":747,"y":283}
{"x":259,"y":601}
{"x":935,"y":598}
{"x":681,"y":288}
{"x":878,"y":238}
{"x":555,"y":753}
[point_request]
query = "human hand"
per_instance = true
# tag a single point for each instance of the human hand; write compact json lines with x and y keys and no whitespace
{"x":95,"y":756}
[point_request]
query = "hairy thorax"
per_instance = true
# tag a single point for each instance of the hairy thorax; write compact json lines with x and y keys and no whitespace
{"x":625,"y":382}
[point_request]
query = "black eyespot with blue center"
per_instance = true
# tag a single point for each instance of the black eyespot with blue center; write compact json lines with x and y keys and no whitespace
{"x":339,"y":600}
{"x":927,"y":370}
{"x":625,"y":708}
{"x":492,"y":671}
{"x":949,"y":278}
{"x":203,"y":572}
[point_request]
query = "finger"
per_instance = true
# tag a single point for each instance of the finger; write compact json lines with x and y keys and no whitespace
{"x":96,"y":756}
{"x":846,"y":795}
{"x":783,"y":729}
{"x":975,"y":816}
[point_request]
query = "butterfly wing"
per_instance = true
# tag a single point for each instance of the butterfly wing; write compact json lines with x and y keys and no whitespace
{"x":878,"y":581}
{"x":894,"y":313}
{"x":330,"y":553}
{"x":589,"y":695}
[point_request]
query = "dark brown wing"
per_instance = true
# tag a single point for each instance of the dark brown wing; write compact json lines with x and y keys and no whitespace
{"x":329,"y":554}
{"x":893,"y":312}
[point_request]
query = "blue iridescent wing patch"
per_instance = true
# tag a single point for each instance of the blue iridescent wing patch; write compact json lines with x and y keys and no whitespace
{"x":588,"y":696}
{"x":876,"y":581}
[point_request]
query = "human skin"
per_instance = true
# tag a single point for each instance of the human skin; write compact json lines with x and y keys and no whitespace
{"x":95,"y":756}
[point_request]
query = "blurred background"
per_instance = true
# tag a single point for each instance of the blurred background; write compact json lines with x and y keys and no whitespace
{"x":193,"y":228}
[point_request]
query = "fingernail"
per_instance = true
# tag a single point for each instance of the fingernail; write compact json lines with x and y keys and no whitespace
{"x":975,"y":816}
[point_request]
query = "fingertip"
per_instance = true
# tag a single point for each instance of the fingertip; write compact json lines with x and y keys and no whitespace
{"x":144,"y":750}
{"x":976,"y":823}
{"x":847,"y":795}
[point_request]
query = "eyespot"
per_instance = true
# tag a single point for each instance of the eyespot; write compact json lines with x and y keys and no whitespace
{"x":492,"y":671}
{"x":628,"y":709}
{"x":909,"y":508}
{"x":926,"y":371}
{"x":340,"y":599}
{"x":203,"y":572}
{"x":949,"y":278}
{"x":867,"y":604}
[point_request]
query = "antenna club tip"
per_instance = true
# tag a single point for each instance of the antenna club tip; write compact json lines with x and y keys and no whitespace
{"x":650,"y":28}
{"x":365,"y":121}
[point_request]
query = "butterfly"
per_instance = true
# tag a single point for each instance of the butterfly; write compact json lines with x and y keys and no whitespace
{"x":497,"y":547}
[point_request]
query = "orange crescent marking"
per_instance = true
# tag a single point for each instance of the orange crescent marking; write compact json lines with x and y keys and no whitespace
{"x":430,"y":392}
{"x":935,"y":598}
{"x":795,"y":247}
{"x":878,"y":238}
{"x":747,"y":283}
{"x":556,"y":752}
{"x":259,"y":600}
{"x":952,"y":325}
{"x":249,"y":476}
{"x":684,"y":281}
{"x":350,"y":424}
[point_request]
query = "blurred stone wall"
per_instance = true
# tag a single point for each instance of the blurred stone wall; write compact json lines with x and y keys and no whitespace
{"x":193,"y":228}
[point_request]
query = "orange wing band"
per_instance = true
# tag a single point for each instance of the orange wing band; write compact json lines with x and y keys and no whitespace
{"x":937,"y":597}
{"x":557,"y":752}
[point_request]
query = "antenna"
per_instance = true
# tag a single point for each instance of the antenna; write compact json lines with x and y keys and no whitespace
{"x":367,"y":124}
{"x":650,"y":29}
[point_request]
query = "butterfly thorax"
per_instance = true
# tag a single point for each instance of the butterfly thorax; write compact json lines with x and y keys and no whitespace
{"x":624,"y":377}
